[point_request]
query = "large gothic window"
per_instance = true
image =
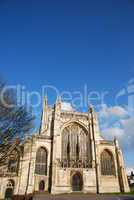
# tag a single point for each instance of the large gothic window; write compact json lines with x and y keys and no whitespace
{"x":75,"y":146}
{"x":107,"y":163}
{"x":41,"y":161}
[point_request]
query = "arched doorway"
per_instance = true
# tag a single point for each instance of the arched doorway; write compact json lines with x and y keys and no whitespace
{"x":42,"y":185}
{"x":9,"y":194}
{"x":9,"y":190}
{"x":77,"y":182}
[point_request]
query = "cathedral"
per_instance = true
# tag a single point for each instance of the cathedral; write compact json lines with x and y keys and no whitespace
{"x":67,"y":155}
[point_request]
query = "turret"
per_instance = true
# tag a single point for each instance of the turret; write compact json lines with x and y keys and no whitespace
{"x":58,"y":107}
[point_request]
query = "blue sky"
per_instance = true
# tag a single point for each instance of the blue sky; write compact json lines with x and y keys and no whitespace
{"x":69,"y":44}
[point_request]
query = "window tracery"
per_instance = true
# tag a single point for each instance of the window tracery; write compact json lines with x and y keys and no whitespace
{"x":41,"y":161}
{"x":107,"y":163}
{"x":75,"y":150}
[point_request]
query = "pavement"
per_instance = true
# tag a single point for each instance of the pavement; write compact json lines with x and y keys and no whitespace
{"x":82,"y":197}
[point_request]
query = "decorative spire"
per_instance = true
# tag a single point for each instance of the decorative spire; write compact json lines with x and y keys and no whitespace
{"x":58,"y":103}
{"x":58,"y":100}
{"x":91,"y":109}
{"x":57,"y":107}
{"x":115,"y":138}
{"x":45,"y":100}
{"x":45,"y":112}
{"x":116,"y":142}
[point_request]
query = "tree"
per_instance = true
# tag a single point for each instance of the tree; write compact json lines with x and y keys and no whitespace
{"x":15,"y":121}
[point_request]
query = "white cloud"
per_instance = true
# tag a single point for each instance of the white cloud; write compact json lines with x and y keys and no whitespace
{"x":111,"y":132}
{"x":65,"y":106}
{"x":116,"y":111}
{"x":125,"y":139}
{"x":116,"y":121}
{"x":128,"y":124}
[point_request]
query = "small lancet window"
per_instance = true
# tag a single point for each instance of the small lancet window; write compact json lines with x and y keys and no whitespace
{"x":68,"y":149}
{"x":77,"y":148}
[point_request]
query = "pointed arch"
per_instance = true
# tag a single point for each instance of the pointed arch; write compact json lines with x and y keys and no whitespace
{"x":107,"y":163}
{"x":41,"y":161}
{"x":42,"y":185}
{"x":77,"y":181}
{"x":74,"y":144}
{"x":9,"y":189}
{"x":79,"y":123}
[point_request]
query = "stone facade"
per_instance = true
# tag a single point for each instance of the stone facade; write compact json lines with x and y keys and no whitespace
{"x":77,"y":158}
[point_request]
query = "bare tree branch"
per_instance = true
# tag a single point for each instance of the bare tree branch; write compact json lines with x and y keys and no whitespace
{"x":15,"y":121}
